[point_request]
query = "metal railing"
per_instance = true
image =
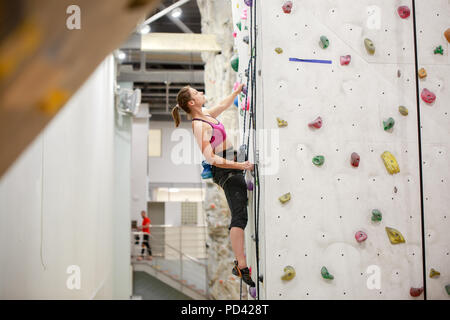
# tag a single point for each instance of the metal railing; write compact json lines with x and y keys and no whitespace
{"x":178,"y":252}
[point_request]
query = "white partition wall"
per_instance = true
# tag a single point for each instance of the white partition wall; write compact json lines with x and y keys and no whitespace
{"x":331,"y":202}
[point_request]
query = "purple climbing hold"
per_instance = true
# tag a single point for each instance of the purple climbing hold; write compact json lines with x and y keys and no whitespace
{"x":403,"y":12}
{"x":427,"y":96}
{"x":250,"y":185}
{"x":345,"y":60}
{"x":355,"y":159}
{"x":249,"y":3}
{"x":253,"y":292}
{"x":287,"y":7}
{"x":244,"y":89}
{"x":360,"y":236}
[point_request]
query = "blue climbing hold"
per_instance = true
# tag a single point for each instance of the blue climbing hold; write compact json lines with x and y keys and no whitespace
{"x":236,"y":102}
{"x":207,"y":173}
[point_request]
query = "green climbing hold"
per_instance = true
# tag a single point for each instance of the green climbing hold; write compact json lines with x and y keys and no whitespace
{"x":289,"y":273}
{"x":246,"y":28}
{"x":326,"y":274}
{"x":388,"y":124}
{"x":439,"y":50}
{"x":285,"y":197}
{"x":239,"y":25}
{"x":318,"y":160}
{"x":279,"y":50}
{"x":235,"y":62}
{"x":370,"y":47}
{"x":447,"y":288}
{"x":403,"y":110}
{"x":376,"y":215}
{"x":324,"y":42}
{"x":434,"y":273}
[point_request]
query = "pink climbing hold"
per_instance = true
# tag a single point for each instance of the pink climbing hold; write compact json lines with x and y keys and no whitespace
{"x":248,"y":104}
{"x":345,"y":60}
{"x":236,"y":85}
{"x":234,"y":34}
{"x":355,"y":159}
{"x":316,"y":123}
{"x":415,"y":292}
{"x":360,"y":236}
{"x":403,"y":12}
{"x":287,"y":7}
{"x":427,"y":96}
{"x":244,"y":14}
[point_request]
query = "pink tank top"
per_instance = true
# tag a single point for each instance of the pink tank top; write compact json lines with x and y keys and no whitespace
{"x":219,"y":135}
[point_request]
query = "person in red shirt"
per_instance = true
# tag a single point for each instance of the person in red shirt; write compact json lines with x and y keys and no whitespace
{"x":146,"y":230}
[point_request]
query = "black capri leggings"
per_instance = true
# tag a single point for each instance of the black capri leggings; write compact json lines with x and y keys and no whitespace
{"x":233,"y":184}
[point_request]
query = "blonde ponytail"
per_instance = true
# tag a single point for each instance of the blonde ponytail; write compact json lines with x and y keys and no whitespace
{"x":176,"y":115}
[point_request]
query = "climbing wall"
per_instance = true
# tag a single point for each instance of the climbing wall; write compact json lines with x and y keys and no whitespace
{"x":432,"y":22}
{"x":355,"y":92}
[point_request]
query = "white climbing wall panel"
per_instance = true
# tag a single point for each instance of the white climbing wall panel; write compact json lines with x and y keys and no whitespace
{"x":432,"y":20}
{"x":330,"y":203}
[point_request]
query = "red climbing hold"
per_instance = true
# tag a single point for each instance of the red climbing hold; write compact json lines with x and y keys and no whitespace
{"x":427,"y":96}
{"x":403,"y":12}
{"x":287,"y":7}
{"x":360,"y":236}
{"x":316,"y":123}
{"x":345,"y":60}
{"x":415,"y":292}
{"x":355,"y":159}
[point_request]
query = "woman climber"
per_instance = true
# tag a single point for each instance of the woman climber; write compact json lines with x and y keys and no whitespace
{"x":227,"y":172}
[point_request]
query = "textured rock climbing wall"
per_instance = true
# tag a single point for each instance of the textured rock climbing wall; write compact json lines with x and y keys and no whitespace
{"x":432,"y":20}
{"x":331,"y":202}
{"x":219,"y":79}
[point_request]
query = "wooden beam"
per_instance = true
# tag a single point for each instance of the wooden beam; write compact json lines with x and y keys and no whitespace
{"x":43,"y":63}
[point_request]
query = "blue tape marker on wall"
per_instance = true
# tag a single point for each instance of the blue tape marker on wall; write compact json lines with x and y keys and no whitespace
{"x":310,"y":60}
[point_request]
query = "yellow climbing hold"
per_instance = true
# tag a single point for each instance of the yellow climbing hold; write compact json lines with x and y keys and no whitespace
{"x":285,"y":197}
{"x":434,"y":273}
{"x":394,"y":235}
{"x":390,"y":162}
{"x":289,"y":273}
{"x":281,"y":123}
{"x":54,"y":100}
{"x":403,"y":110}
{"x":279,"y":50}
{"x":422,"y":73}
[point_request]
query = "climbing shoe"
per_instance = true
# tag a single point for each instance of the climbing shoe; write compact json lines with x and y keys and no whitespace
{"x":243,"y":273}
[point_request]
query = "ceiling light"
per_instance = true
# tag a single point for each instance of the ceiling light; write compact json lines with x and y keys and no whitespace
{"x":176,"y":12}
{"x":120,"y":55}
{"x":144,"y":29}
{"x":174,"y":190}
